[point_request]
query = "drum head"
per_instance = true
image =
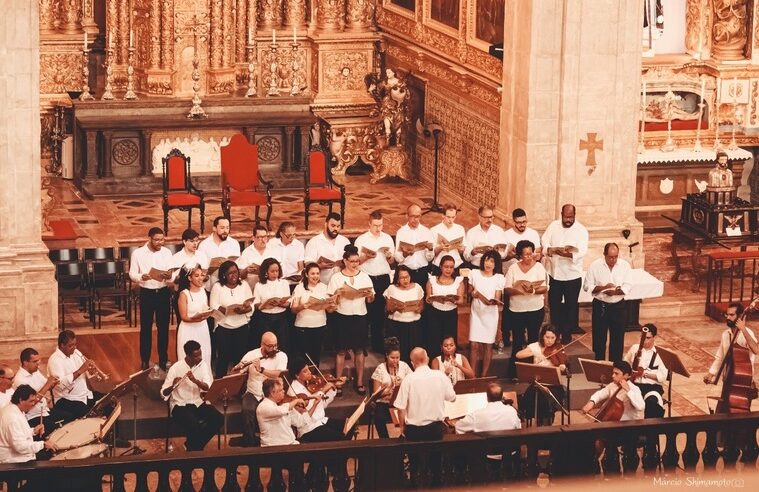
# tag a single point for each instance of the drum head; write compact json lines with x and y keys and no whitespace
{"x":77,"y":433}
{"x":84,"y":452}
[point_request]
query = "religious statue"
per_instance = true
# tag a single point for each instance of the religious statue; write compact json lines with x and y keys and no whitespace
{"x":316,"y":135}
{"x":720,"y":177}
{"x":393,"y":97}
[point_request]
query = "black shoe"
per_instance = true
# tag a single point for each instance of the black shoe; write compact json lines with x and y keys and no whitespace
{"x":144,"y":365}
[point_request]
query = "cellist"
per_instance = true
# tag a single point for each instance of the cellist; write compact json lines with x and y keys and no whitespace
{"x":620,"y":388}
{"x":649,"y":371}
{"x":745,"y":338}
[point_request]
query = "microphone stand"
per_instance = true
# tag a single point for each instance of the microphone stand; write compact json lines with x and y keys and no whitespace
{"x":435,"y":207}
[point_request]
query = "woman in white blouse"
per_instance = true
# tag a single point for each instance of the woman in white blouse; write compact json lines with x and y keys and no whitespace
{"x":193,"y":310}
{"x":455,"y":366}
{"x":486,"y":287}
{"x":546,"y":345}
{"x":310,"y":323}
{"x":272,"y":295}
{"x":442,"y":318}
{"x":403,"y":322}
{"x":526,"y":283}
{"x":232,"y":331}
{"x":354,"y":289}
{"x":388,"y":375}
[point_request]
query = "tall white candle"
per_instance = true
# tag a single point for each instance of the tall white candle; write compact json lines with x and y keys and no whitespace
{"x":703,"y":88}
{"x":85,"y":41}
{"x":295,"y":34}
{"x":131,"y":38}
{"x":273,"y":36}
{"x":250,"y":36}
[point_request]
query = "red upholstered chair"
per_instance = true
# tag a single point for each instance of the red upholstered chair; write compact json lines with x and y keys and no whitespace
{"x":319,"y":186}
{"x":241,"y":181}
{"x":178,"y":190}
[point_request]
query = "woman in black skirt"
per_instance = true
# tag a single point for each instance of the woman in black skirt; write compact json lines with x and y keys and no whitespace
{"x":442,"y":316}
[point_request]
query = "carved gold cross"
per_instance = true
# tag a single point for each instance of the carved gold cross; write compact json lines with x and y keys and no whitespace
{"x":591,"y":145}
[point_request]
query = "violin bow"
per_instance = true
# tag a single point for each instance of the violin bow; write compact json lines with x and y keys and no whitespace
{"x":564,"y":347}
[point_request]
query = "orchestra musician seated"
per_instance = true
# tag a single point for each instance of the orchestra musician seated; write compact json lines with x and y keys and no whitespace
{"x":30,"y":374}
{"x":276,"y":420}
{"x":649,"y":371}
{"x":455,"y":366}
{"x":261,"y":363}
{"x":17,"y":444}
{"x":547,"y":351}
{"x":73,"y":396}
{"x":185,"y":382}
{"x":315,"y":426}
{"x":388,"y":375}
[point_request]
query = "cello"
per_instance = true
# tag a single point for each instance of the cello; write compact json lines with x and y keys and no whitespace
{"x":738,"y":388}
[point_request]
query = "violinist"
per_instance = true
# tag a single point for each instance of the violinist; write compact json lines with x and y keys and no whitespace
{"x":389,"y":375}
{"x":6,"y":383}
{"x":455,"y":366}
{"x":547,"y":351}
{"x":622,"y":389}
{"x":261,"y":363}
{"x":649,"y":371}
{"x":315,"y":426}
{"x":17,"y":444}
{"x":745,"y":338}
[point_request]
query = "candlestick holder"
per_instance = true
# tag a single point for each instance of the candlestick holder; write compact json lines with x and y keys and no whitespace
{"x":108,"y":90}
{"x":130,"y":95}
{"x":86,"y":95}
{"x":697,"y":144}
{"x":273,"y":65}
{"x":196,"y":112}
{"x":295,"y":83}
{"x":252,"y":79}
{"x":669,"y":101}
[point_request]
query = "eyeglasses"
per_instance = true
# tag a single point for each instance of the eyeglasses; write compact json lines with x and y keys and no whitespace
{"x":486,"y":216}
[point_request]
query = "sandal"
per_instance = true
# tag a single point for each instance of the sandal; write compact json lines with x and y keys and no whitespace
{"x":361,"y":389}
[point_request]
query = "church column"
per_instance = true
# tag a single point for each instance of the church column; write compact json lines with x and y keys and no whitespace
{"x":330,"y":15}
{"x":122,"y":30}
{"x":288,"y":148}
{"x":730,"y":29}
{"x":359,"y":15}
{"x":252,"y":20}
{"x":107,"y":164}
{"x":167,"y":34}
{"x":155,"y":35}
{"x":227,"y":33}
{"x":47,"y":15}
{"x":567,"y":129}
{"x":146,"y":153}
{"x":88,"y":16}
{"x":270,"y":14}
{"x":241,"y":31}
{"x":295,"y":15}
{"x":28,"y":292}
{"x":72,"y":10}
{"x":216,"y":50}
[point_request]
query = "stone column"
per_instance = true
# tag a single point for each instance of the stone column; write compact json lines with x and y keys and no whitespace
{"x":330,"y":15}
{"x":154,"y":60}
{"x":567,"y":104}
{"x":28,"y":290}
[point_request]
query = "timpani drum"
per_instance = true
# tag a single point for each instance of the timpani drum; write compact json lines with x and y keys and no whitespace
{"x":77,"y":433}
{"x":83,"y":452}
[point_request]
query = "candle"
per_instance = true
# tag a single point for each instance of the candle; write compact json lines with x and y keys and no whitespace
{"x":250,"y":37}
{"x":295,"y":35}
{"x":703,"y":88}
{"x":131,"y":38}
{"x":85,"y":41}
{"x":273,"y":36}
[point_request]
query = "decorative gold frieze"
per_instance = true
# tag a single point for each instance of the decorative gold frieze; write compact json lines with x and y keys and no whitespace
{"x":344,"y":70}
{"x":60,"y":72}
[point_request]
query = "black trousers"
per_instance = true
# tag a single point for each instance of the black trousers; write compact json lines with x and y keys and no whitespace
{"x":439,"y":325}
{"x":407,"y":334}
{"x":429,"y":432}
{"x":525,"y":327}
{"x":376,"y":313}
{"x":199,"y":424}
{"x":69,"y":410}
{"x":154,"y":304}
{"x":421,"y":276}
{"x":250,"y":428}
{"x":653,"y":408}
{"x":275,"y":323}
{"x":309,"y":341}
{"x":331,"y":431}
{"x":609,"y":319}
{"x":565,"y":315}
{"x":231,"y":345}
{"x":381,"y":419}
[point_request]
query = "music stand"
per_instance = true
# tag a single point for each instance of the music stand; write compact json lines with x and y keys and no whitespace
{"x":220,"y":390}
{"x":674,"y":366}
{"x":539,"y":376}
{"x":351,"y":421}
{"x":474,"y":385}
{"x":133,"y":383}
{"x":597,"y":371}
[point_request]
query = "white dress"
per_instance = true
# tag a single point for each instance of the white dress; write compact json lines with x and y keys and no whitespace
{"x":483,"y":321}
{"x":194,"y":330}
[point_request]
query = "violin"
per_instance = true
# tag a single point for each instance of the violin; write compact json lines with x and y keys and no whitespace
{"x":558,"y":354}
{"x":318,"y":381}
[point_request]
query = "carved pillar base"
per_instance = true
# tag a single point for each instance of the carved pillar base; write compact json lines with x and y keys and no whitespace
{"x":220,"y":81}
{"x":352,"y":136}
{"x":158,"y":82}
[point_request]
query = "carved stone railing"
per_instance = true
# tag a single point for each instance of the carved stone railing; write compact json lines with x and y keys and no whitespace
{"x":379,"y":463}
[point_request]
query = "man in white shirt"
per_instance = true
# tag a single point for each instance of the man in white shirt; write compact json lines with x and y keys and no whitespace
{"x":219,"y":245}
{"x":744,"y":337}
{"x":253,"y":256}
{"x":496,"y":416}
{"x":449,"y":232}
{"x":30,"y":374}
{"x":17,"y":444}
{"x":650,"y":373}
{"x":262,"y":363}
{"x":72,"y":395}
{"x":6,"y":385}
{"x":290,"y":252}
{"x":565,"y":243}
{"x":375,"y":253}
{"x":327,"y":248}
{"x":421,"y":404}
{"x":630,"y":394}
{"x":483,"y":237}
{"x":154,"y":294}
{"x":182,"y":388}
{"x":419,"y":242}
{"x":189,"y":253}
{"x":608,"y":280}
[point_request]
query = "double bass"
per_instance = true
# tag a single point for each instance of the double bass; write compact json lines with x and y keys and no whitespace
{"x":637,"y":370}
{"x":738,"y":388}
